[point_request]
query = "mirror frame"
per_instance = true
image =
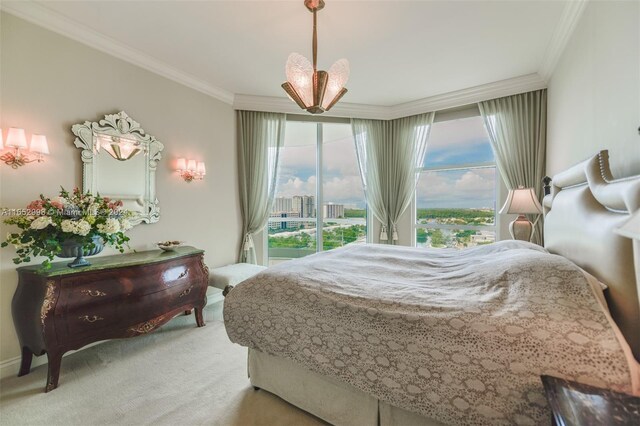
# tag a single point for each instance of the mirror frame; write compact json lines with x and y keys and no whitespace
{"x":120,"y":125}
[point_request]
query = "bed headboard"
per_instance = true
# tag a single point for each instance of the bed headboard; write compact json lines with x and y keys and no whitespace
{"x":584,"y":208}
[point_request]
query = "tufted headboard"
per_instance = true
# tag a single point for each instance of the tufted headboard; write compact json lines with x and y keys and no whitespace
{"x":584,"y":208}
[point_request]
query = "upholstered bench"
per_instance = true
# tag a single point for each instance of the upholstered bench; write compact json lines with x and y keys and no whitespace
{"x":226,"y":277}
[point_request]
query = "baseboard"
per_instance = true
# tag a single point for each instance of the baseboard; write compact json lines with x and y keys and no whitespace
{"x":11,"y":366}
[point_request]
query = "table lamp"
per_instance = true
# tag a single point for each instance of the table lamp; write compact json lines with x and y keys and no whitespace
{"x":521,"y":201}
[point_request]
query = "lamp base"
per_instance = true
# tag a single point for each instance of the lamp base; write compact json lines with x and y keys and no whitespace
{"x":521,"y":229}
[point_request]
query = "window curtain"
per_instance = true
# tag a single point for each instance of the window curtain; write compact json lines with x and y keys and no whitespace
{"x":388,"y":154}
{"x":517,"y":128}
{"x":260,"y":137}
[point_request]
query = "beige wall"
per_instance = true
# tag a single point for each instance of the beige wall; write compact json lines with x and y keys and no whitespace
{"x":49,"y":83}
{"x":594,"y":92}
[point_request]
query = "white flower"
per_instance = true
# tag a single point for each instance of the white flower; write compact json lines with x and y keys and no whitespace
{"x":125,"y":224}
{"x":78,"y":227}
{"x":110,"y":227}
{"x":83,"y":227}
{"x":67,"y":226}
{"x":41,"y":222}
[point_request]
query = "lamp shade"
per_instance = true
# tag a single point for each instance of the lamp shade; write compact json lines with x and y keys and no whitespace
{"x":201,"y":169}
{"x":181,"y":164}
{"x":16,"y":138}
{"x":191,"y":165}
{"x":521,"y":201}
{"x":1,"y":144}
{"x":39,"y":144}
{"x":631,"y":228}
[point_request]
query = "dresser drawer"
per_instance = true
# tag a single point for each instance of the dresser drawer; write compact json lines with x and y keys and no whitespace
{"x":81,"y":320}
{"x":116,"y":284}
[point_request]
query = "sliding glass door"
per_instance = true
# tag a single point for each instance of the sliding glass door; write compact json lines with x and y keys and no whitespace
{"x":319,"y":201}
{"x":343,"y":203}
{"x":456,"y":191}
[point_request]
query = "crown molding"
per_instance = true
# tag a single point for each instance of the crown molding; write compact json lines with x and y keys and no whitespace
{"x":472,"y":95}
{"x":561,"y":35}
{"x":285,"y":105}
{"x":44,"y":17}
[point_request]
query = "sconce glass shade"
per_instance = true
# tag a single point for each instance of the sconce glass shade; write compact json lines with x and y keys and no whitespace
{"x":39,"y":144}
{"x":1,"y":144}
{"x":16,"y":138}
{"x":200,"y":169}
{"x":521,"y":201}
{"x":191,"y":165}
{"x":181,"y":164}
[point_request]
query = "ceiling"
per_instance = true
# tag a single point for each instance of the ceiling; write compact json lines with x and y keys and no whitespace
{"x":399,"y":51}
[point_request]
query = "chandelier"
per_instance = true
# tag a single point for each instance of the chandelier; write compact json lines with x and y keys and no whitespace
{"x":314,"y":90}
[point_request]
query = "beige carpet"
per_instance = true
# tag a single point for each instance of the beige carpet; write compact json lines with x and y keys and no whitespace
{"x":178,"y":375}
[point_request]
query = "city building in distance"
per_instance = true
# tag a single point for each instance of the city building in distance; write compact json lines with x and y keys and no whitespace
{"x":333,"y":211}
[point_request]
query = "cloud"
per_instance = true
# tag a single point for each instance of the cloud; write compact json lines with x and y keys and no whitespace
{"x":297,"y":186}
{"x":477,"y":180}
{"x":343,"y":189}
{"x":470,"y":188}
{"x":346,"y":189}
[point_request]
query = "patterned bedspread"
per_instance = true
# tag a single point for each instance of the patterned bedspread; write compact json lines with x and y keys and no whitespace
{"x":458,"y":336}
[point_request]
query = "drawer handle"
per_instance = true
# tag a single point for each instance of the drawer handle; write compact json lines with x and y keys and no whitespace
{"x":87,"y":318}
{"x":184,"y":274}
{"x":187,"y":291}
{"x":94,"y":293}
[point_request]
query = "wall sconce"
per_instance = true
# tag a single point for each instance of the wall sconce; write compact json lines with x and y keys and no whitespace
{"x":190,"y":169}
{"x":16,"y":143}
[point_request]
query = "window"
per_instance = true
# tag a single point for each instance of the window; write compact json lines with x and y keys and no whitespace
{"x":456,"y":191}
{"x":319,"y":201}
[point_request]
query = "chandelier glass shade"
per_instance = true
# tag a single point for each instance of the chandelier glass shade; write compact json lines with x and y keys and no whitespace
{"x":315,"y":90}
{"x":121,"y":149}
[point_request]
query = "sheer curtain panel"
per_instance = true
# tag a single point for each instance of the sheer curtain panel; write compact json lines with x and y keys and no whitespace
{"x":260,"y":137}
{"x":517,"y":128}
{"x":389,"y":153}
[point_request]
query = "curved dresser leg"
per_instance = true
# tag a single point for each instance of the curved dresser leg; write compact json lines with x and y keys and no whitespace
{"x":25,"y":363}
{"x":55,"y":359}
{"x":199,"y":318}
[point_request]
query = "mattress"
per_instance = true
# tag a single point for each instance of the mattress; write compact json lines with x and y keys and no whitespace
{"x":457,"y":336}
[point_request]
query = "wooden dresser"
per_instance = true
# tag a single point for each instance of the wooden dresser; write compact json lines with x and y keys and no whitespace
{"x":61,"y":309}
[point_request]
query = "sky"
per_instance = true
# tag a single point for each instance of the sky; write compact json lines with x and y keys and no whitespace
{"x":455,"y":142}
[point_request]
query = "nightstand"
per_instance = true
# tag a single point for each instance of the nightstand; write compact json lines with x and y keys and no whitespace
{"x":574,"y":404}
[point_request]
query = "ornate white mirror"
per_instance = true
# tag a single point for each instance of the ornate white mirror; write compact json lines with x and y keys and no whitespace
{"x":119,"y":161}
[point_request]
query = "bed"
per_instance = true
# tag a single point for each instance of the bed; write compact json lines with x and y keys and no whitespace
{"x":390,"y":335}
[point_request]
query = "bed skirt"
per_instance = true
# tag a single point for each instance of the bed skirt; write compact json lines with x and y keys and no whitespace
{"x":325,"y":397}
